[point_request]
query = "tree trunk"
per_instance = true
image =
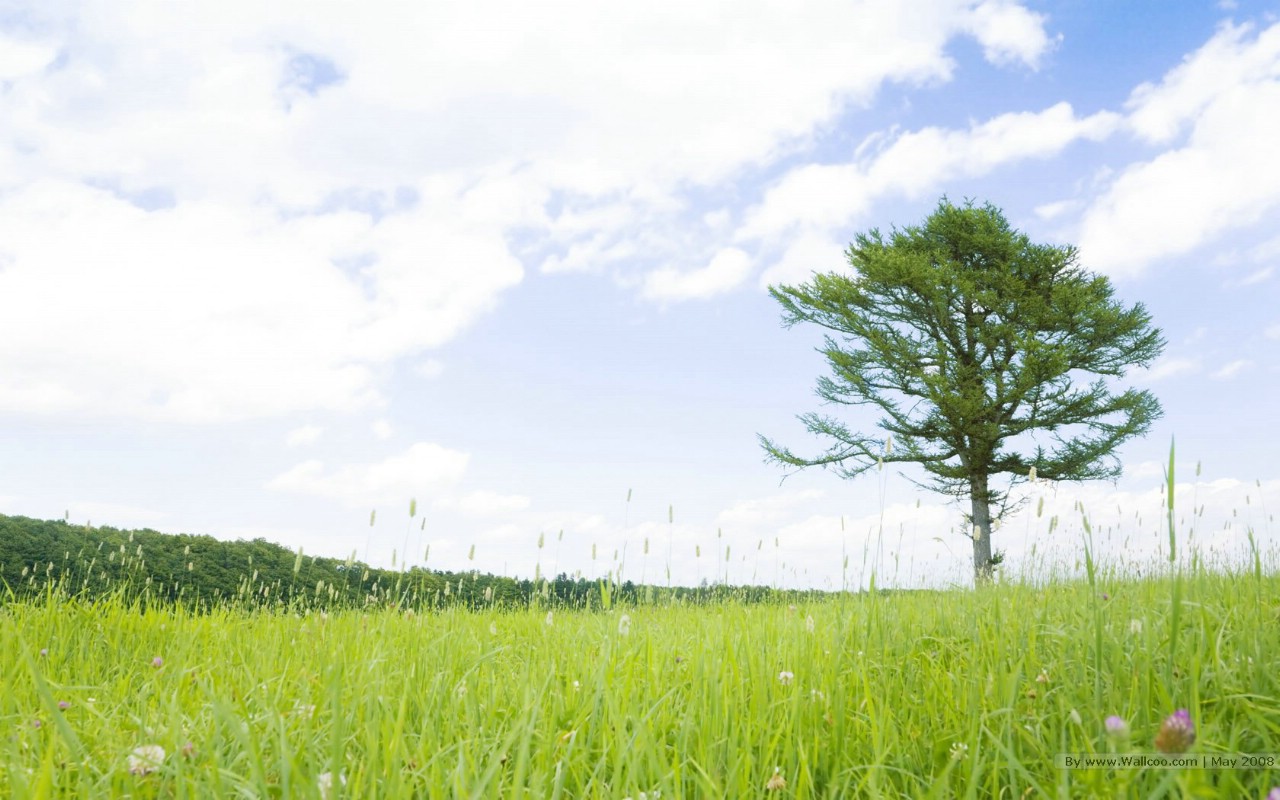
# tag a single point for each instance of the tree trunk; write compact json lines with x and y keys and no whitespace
{"x":983,"y":569}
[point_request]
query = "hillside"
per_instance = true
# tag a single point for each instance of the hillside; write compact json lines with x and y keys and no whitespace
{"x":199,"y":571}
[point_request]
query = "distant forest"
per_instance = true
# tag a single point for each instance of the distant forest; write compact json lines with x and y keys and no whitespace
{"x":147,"y":566}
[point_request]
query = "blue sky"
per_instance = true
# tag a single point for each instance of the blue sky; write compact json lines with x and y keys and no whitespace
{"x":266,"y":269}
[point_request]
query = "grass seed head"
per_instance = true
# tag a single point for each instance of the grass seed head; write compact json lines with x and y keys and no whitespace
{"x":776,"y":781}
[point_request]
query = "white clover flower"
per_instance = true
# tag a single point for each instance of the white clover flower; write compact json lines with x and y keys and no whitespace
{"x":959,"y":751}
{"x":325,"y":783}
{"x":785,"y":677}
{"x":146,"y":759}
{"x":624,"y":625}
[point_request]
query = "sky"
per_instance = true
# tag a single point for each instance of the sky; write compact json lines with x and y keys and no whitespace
{"x":269,"y":268}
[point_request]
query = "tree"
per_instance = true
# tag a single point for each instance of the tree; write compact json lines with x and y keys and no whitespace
{"x":975,"y":343}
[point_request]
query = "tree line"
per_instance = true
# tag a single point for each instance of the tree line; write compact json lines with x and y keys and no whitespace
{"x":200,"y":572}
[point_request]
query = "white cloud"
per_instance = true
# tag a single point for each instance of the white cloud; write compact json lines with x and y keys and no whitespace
{"x":424,"y":468}
{"x":430,"y":368}
{"x":1273,"y":332}
{"x":1009,"y":33}
{"x":1232,"y":368}
{"x":1256,"y":277}
{"x":821,"y":196}
{"x":1051,"y":211}
{"x":21,"y":58}
{"x":263,"y":148}
{"x":810,"y":252}
{"x":593,"y":95}
{"x":727,"y":270}
{"x":381,"y":429}
{"x":482,"y":503}
{"x":1167,"y":367}
{"x":1159,"y":112}
{"x":766,"y":510}
{"x":1224,"y":177}
{"x":915,"y":163}
{"x":1145,"y":469}
{"x":203,"y":313}
{"x":306,"y":434}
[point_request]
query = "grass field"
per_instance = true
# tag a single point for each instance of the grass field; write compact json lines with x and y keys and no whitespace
{"x":949,"y":694}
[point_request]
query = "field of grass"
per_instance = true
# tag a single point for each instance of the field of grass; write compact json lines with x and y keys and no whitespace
{"x":923,"y":694}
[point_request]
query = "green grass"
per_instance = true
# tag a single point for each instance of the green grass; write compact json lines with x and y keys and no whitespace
{"x":887,"y":691}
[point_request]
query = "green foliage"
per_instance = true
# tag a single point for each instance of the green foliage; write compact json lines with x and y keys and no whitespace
{"x":975,"y":343}
{"x":916,"y":695}
{"x":201,"y":572}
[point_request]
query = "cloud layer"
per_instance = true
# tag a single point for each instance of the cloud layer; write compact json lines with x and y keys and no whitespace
{"x":240,"y":210}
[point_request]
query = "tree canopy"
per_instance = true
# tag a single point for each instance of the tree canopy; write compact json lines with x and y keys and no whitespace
{"x":986,"y":353}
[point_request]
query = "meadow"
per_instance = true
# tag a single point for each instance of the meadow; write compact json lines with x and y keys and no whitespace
{"x":965,"y":693}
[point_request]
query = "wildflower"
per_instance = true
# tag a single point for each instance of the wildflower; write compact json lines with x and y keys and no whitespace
{"x":44,"y":652}
{"x":777,"y":781}
{"x":1274,"y":794}
{"x":577,"y":687}
{"x":1043,"y":677}
{"x":1177,"y":733}
{"x":624,"y":625}
{"x":1135,"y":626}
{"x":551,"y":619}
{"x":37,"y":724}
{"x":808,"y":623}
{"x":146,"y":759}
{"x":493,"y":629}
{"x":959,"y":751}
{"x":188,"y":750}
{"x":461,"y":690}
{"x":1117,"y":727}
{"x":325,"y":783}
{"x":1105,"y":596}
{"x":157,"y":662}
{"x":63,"y":705}
{"x":785,"y":677}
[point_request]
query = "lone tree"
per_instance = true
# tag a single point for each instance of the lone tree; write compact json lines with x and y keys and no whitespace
{"x":981,"y":348}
